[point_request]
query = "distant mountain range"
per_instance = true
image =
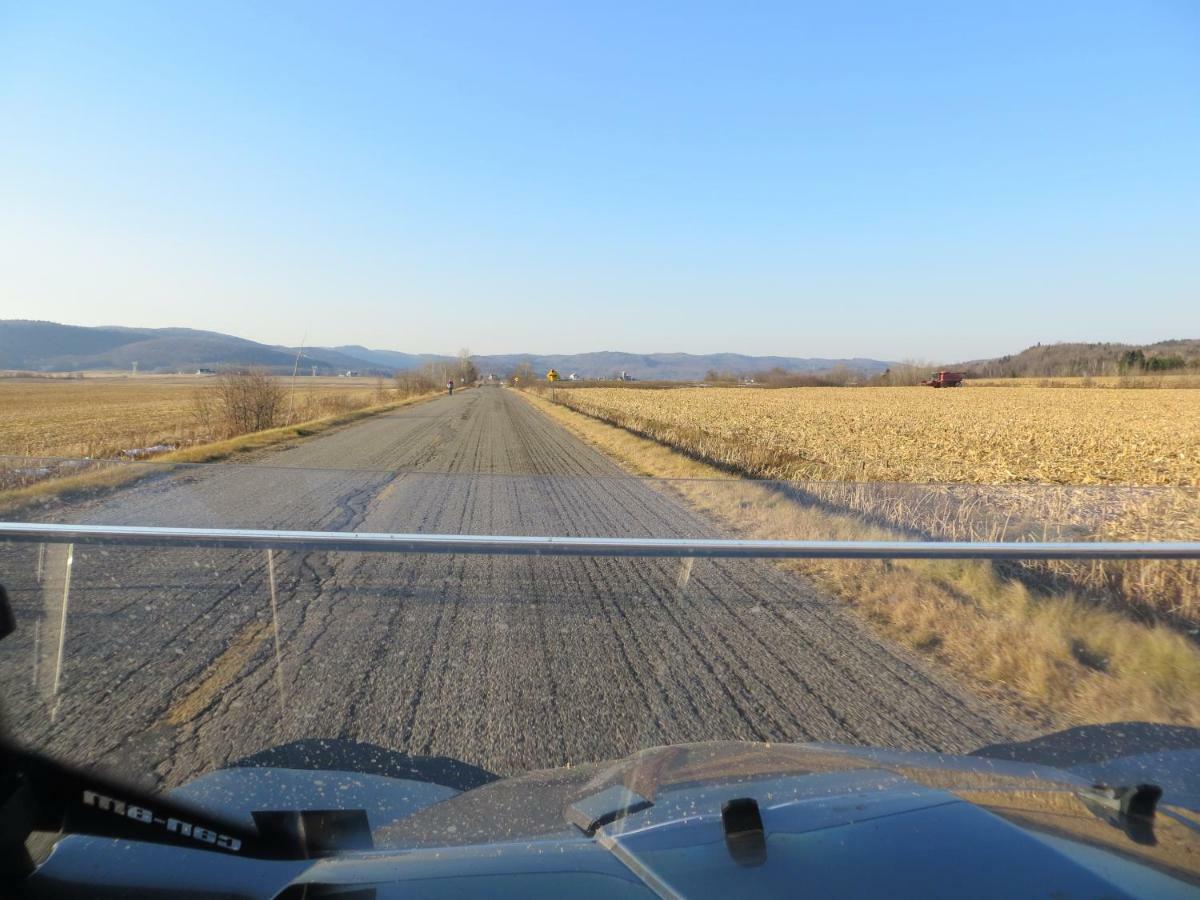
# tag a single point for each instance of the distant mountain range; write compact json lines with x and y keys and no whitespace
{"x":667,"y":366}
{"x":50,"y":347}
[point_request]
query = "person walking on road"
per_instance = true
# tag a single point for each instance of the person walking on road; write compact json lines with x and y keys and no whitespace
{"x":450,"y":387}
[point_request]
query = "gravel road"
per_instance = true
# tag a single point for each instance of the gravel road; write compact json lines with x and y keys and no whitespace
{"x":178,"y":661}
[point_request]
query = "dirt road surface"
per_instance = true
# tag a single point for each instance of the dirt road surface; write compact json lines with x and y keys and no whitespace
{"x":178,"y":661}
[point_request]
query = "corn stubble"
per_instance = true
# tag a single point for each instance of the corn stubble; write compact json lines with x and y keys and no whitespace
{"x":998,"y":436}
{"x":101,"y":418}
{"x":1005,"y":463}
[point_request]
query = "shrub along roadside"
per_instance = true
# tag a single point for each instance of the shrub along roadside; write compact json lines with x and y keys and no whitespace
{"x":252,"y":400}
{"x":1054,"y":657}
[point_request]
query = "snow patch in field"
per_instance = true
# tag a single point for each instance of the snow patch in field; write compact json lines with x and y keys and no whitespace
{"x":139,"y":452}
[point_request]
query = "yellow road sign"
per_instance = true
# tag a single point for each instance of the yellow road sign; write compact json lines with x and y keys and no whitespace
{"x":552,"y":375}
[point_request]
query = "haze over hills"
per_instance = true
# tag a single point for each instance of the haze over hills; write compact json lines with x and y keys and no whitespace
{"x":390,"y":360}
{"x":50,"y":347}
{"x":668,"y":366}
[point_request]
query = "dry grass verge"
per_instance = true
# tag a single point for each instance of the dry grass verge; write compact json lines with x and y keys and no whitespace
{"x":1056,"y":656}
{"x":110,"y":474}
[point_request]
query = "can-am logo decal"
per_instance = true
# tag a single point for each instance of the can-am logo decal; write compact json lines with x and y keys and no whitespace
{"x":173,"y":825}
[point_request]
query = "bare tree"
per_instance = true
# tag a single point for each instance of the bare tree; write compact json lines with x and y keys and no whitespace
{"x":246,"y":401}
{"x":523,"y":375}
{"x":908,"y":372}
{"x":468,"y":373}
{"x":411,"y":382}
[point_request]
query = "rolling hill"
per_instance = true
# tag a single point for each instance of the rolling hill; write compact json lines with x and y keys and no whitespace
{"x":668,"y":366}
{"x":50,"y":347}
{"x":1077,"y":359}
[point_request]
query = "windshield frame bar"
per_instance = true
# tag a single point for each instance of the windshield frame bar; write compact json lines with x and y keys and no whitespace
{"x":518,"y":545}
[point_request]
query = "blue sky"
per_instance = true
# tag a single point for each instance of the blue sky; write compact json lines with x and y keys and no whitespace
{"x":897,"y":180}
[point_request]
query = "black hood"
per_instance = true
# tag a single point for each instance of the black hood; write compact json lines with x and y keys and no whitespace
{"x":723,"y":818}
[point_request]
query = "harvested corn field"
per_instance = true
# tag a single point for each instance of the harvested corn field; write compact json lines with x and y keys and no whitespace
{"x":1024,"y":434}
{"x":1054,"y":464}
{"x":107,"y":416}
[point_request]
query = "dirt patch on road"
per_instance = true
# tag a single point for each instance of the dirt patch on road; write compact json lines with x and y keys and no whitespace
{"x":221,"y":673}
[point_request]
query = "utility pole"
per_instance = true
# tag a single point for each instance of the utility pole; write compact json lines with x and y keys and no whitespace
{"x":295,"y":369}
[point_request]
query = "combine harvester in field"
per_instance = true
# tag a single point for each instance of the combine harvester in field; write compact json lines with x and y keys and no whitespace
{"x":945,"y":379}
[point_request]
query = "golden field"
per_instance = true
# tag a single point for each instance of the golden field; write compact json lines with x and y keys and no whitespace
{"x":103,"y":415}
{"x":1174,"y":380}
{"x":1002,"y":435}
{"x":1001,"y":463}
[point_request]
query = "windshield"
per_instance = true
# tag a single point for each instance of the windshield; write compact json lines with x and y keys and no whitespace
{"x":177,"y":660}
{"x":499,"y":397}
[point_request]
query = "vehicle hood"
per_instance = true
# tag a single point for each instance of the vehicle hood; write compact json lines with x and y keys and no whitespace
{"x":836,"y":820}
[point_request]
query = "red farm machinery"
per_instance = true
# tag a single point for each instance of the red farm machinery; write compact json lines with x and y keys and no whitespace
{"x":945,"y":379}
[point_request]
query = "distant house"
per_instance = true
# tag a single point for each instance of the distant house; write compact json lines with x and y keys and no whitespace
{"x":205,"y":372}
{"x":572,"y":377}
